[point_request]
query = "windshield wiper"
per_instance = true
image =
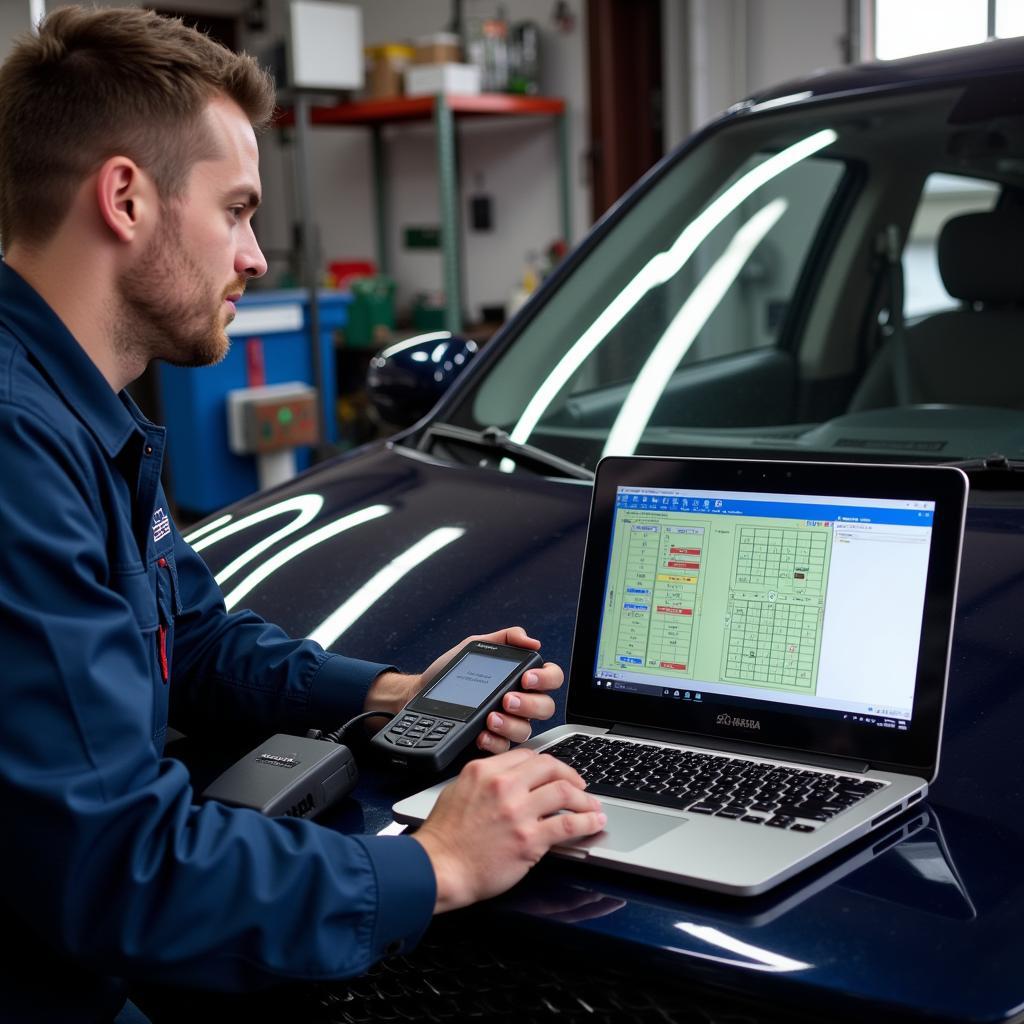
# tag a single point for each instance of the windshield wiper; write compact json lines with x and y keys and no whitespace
{"x":494,"y":439}
{"x":995,"y":463}
{"x":993,"y":472}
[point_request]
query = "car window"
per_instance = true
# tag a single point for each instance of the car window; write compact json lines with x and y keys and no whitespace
{"x":667,"y":291}
{"x":944,"y":196}
{"x":735,"y":304}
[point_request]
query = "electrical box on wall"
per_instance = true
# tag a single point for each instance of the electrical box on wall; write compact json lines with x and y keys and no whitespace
{"x":272,"y":418}
{"x":325,"y":45}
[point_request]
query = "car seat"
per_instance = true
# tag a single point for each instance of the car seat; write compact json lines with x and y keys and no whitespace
{"x":973,"y":355}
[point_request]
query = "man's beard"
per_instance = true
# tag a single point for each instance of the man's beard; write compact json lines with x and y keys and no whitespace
{"x":168,"y":310}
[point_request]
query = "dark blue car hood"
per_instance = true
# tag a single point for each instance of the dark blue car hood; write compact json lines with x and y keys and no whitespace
{"x":507,"y":551}
{"x":510,"y":554}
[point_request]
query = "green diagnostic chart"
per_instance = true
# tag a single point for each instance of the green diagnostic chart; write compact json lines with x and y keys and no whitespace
{"x":736,"y":600}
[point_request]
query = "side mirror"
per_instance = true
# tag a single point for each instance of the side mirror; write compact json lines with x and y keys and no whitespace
{"x":405,"y":380}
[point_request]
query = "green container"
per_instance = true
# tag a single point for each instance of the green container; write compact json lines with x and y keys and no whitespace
{"x":372,"y":308}
{"x":427,"y":318}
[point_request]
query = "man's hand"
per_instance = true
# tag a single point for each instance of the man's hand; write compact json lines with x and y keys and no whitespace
{"x":391,"y":692}
{"x":498,"y":818}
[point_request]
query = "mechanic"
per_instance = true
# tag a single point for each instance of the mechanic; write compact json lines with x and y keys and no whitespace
{"x":128,"y":182}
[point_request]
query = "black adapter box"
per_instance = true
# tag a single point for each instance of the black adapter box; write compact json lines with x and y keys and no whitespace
{"x":287,"y":776}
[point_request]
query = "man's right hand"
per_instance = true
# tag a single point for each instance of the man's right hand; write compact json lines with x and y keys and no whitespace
{"x":498,"y":819}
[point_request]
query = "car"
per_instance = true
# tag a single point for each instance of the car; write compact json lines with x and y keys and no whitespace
{"x":831,"y":270}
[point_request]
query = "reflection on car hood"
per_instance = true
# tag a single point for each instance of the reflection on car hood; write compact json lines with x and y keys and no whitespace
{"x":405,"y":556}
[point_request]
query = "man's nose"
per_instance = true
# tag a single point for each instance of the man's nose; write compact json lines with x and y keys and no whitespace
{"x":250,"y":260}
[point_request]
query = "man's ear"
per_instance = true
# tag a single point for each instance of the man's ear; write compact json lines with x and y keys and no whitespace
{"x":125,"y":197}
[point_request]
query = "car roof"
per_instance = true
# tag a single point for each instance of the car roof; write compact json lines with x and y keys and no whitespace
{"x":925,"y":70}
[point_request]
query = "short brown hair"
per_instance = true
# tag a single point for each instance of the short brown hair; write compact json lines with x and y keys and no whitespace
{"x":96,"y":83}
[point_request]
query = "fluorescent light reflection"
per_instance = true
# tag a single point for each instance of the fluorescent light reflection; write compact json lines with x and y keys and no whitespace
{"x":285,"y":555}
{"x":203,"y":530}
{"x":374,"y":588}
{"x":783,"y":101}
{"x":654,"y":375}
{"x":756,"y":958}
{"x":661,"y":268}
{"x":401,"y":346}
{"x":306,"y":505}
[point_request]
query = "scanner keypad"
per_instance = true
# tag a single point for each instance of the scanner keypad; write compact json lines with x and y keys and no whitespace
{"x":413,"y":730}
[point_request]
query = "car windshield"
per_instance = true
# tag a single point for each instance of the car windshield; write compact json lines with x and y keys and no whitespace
{"x":838,"y":278}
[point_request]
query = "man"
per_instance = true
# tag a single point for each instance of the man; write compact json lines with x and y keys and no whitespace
{"x":128,"y":182}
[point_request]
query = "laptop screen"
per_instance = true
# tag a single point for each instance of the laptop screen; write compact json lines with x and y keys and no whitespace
{"x":805,"y":606}
{"x":799,"y":599}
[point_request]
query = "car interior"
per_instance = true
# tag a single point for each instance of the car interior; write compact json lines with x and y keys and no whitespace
{"x":810,"y":281}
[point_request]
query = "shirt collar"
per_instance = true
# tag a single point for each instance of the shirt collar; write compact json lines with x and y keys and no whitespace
{"x":108,"y":415}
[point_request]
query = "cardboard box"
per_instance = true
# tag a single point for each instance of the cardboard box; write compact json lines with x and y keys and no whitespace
{"x":386,"y":66}
{"x":439,"y":48}
{"x":435,"y":79}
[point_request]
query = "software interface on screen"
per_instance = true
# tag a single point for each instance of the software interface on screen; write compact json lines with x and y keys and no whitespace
{"x":808,"y":600}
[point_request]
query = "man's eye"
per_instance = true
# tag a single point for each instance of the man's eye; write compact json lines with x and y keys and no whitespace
{"x":236,"y":211}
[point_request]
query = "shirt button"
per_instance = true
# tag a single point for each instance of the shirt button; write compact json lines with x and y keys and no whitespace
{"x":162,"y":562}
{"x":149,"y":449}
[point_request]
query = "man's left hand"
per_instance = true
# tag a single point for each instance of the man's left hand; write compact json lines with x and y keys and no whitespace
{"x":510,"y":724}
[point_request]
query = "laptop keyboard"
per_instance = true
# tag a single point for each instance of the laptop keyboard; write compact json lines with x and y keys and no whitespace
{"x":700,"y":782}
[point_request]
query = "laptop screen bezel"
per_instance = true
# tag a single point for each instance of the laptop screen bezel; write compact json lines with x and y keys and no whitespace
{"x":915,"y":750}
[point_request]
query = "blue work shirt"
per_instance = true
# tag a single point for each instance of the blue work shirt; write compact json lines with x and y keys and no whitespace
{"x":109,"y":625}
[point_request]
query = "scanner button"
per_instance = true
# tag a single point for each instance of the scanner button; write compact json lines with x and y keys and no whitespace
{"x":396,"y":730}
{"x":405,"y":741}
{"x":436,"y":735}
{"x":426,"y":721}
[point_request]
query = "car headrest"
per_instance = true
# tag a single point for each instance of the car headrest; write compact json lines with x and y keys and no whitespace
{"x":981,"y":256}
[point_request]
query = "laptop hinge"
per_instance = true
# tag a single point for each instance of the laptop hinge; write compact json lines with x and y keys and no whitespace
{"x":844,"y":764}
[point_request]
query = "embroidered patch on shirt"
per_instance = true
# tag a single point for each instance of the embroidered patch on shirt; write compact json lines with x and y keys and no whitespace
{"x":161,"y":525}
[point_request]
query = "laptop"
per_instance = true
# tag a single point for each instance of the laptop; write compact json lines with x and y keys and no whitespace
{"x":759,"y":664}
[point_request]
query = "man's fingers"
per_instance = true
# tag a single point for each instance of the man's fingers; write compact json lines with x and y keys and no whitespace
{"x":537,"y":706}
{"x":492,"y":743}
{"x":562,"y":795}
{"x":515,"y":729}
{"x":515,"y":636}
{"x":560,"y":829}
{"x":510,"y":760}
{"x":548,"y":677}
{"x":544,"y":768}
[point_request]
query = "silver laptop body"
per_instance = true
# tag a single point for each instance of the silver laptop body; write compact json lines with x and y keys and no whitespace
{"x":788,"y":622}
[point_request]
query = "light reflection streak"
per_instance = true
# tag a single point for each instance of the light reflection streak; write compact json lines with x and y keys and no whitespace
{"x":659,"y":269}
{"x":401,"y":346}
{"x":654,"y":375}
{"x":374,"y":588}
{"x":203,"y":530}
{"x":783,"y":101}
{"x":306,"y":505}
{"x":285,"y":555}
{"x":757,"y":959}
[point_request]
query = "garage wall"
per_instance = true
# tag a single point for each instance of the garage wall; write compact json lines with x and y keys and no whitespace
{"x":14,"y":19}
{"x":717,"y":52}
{"x":515,"y":162}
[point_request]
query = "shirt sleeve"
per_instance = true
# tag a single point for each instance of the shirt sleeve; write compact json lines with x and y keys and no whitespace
{"x":232,"y":668}
{"x":114,"y":864}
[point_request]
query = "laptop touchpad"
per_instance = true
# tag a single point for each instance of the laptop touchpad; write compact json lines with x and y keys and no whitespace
{"x":628,"y":829}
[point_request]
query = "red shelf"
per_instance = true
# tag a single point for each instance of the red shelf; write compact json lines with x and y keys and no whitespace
{"x":421,"y":108}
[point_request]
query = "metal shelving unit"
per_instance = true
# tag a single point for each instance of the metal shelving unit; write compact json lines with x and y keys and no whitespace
{"x":444,"y":112}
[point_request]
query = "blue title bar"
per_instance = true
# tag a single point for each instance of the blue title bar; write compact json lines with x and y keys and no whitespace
{"x":820,"y":515}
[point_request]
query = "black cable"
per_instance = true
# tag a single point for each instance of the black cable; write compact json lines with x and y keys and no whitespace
{"x":335,"y":737}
